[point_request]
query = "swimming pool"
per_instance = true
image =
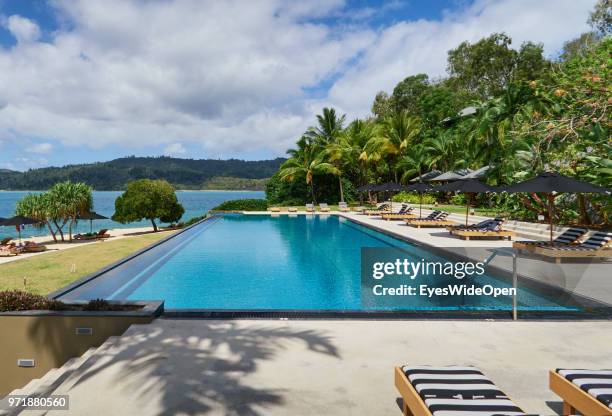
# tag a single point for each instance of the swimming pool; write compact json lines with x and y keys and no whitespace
{"x":264,"y":263}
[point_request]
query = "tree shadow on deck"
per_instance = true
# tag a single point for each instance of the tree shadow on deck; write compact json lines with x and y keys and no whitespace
{"x":194,"y":367}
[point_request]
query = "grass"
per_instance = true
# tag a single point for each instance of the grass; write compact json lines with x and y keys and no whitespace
{"x":50,"y":271}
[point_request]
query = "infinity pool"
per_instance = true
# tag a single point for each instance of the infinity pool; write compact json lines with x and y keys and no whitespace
{"x":258,"y":262}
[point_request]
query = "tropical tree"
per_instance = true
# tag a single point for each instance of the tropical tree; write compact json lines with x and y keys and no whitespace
{"x":304,"y":162}
{"x":397,"y":133}
{"x":328,"y":129}
{"x":148,"y":199}
{"x":61,"y":205}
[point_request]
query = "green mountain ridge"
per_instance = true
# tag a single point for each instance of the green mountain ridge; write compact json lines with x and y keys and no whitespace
{"x":182,"y":173}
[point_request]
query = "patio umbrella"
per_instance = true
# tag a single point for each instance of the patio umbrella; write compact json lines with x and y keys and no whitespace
{"x":91,"y":216}
{"x":469,"y":187}
{"x":550,"y":182}
{"x":18,"y":221}
{"x":426,"y":176}
{"x":451,"y":175}
{"x":421,"y":187}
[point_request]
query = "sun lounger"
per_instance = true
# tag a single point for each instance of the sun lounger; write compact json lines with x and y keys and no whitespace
{"x":5,"y":241}
{"x":438,"y":221}
{"x":568,"y":237}
{"x":597,"y":245}
{"x":99,"y":235}
{"x":9,"y":250}
{"x":274,"y":209}
{"x":451,"y":390}
{"x":492,"y":230}
{"x":343,"y":207}
{"x":324,"y":207}
{"x":32,"y":247}
{"x":404,"y":213}
{"x":383,"y":208}
{"x":586,"y":391}
{"x":292,"y":209}
{"x":477,"y":226}
{"x":310,"y":208}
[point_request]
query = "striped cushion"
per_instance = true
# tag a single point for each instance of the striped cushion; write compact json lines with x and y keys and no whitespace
{"x":459,"y":391}
{"x":597,"y":240}
{"x":598,"y":383}
{"x":571,"y":235}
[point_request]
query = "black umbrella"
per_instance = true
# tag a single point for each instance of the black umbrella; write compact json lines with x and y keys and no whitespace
{"x":91,"y":216}
{"x":389,"y":187}
{"x":18,"y":221}
{"x":550,"y":182}
{"x":469,"y":187}
{"x":421,"y":187}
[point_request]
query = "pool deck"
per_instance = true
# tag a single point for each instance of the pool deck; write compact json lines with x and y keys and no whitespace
{"x":268,"y":367}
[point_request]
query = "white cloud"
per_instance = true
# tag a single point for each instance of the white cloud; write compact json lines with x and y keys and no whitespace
{"x":175,"y":149}
{"x":24,"y":30}
{"x":409,"y":48}
{"x":229,"y":77}
{"x":40,"y":148}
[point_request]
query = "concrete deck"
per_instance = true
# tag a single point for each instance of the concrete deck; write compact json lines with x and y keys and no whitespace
{"x":208,"y":367}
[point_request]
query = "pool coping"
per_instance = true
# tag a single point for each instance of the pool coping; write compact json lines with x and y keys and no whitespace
{"x":86,"y":279}
{"x":355,"y":314}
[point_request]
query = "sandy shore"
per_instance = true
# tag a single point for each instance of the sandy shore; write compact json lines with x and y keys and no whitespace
{"x":47,"y":240}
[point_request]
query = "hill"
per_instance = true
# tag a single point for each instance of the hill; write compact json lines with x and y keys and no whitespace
{"x":115,"y":174}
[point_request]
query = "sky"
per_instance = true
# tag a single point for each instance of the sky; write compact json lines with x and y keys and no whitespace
{"x":93,"y":80}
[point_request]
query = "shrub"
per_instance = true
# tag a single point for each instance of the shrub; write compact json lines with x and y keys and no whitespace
{"x":414,"y":198}
{"x":458,"y":199}
{"x":191,"y":221}
{"x":243,"y":205}
{"x":18,"y":300}
{"x":99,"y":305}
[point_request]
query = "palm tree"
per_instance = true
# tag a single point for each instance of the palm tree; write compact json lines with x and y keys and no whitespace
{"x":305,"y":161}
{"x":414,"y":163}
{"x":396,"y":135}
{"x":328,"y":129}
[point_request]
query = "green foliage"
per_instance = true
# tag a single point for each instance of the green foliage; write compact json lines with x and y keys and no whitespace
{"x":243,"y":205}
{"x":234,"y":184}
{"x":17,"y":300}
{"x":511,"y":110}
{"x":486,"y":67}
{"x":59,"y":206}
{"x":100,"y":305}
{"x":148,"y":199}
{"x":600,"y":18}
{"x":116,"y":174}
{"x":414,"y":198}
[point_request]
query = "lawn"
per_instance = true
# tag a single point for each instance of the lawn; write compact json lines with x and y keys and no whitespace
{"x":50,"y":271}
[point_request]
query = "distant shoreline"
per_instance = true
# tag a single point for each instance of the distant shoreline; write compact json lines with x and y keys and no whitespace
{"x":121,"y":190}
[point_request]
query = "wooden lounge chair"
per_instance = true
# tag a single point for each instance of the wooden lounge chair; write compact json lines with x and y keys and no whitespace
{"x":404,"y":213}
{"x":343,"y":207}
{"x":467,"y":234}
{"x":438,"y":221}
{"x":103,"y":233}
{"x":310,"y":208}
{"x":292,"y":209}
{"x":451,"y":390}
{"x":382,"y":209}
{"x":32,"y":247}
{"x":597,"y":245}
{"x":587,"y":391}
{"x":9,"y":251}
{"x":274,"y":209}
{"x":5,"y":241}
{"x":477,"y":226}
{"x":323,"y":207}
{"x":568,"y":237}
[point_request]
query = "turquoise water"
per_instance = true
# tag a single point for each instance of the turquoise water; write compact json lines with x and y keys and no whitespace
{"x":196,"y":203}
{"x":237,"y":262}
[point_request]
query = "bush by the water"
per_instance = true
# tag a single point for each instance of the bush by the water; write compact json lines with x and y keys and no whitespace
{"x":413,"y":198}
{"x":243,"y":205}
{"x":18,"y":300}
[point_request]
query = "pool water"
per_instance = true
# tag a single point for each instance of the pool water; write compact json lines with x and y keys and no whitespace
{"x":258,"y":262}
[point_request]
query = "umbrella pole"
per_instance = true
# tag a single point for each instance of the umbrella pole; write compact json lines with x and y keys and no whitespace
{"x":420,"y":204}
{"x":551,"y":209}
{"x":90,"y":226}
{"x":467,"y":208}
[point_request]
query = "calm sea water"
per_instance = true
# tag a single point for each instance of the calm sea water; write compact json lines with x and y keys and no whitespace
{"x":196,"y":203}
